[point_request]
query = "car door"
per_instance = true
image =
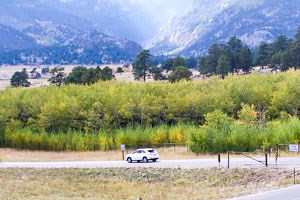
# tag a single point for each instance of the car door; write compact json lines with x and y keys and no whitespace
{"x":142,"y":154}
{"x":139,"y":155}
{"x":135,"y":155}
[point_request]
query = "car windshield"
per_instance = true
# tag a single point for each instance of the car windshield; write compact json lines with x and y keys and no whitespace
{"x":151,"y":151}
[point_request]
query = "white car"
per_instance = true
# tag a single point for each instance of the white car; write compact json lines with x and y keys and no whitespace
{"x":144,"y":155}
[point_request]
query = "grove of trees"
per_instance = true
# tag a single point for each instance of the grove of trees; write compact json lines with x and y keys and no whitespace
{"x":234,"y":56}
{"x":242,"y":113}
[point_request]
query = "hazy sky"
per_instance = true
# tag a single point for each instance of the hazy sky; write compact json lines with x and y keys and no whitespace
{"x":161,"y":10}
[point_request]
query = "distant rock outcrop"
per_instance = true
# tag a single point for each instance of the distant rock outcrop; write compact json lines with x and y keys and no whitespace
{"x":215,"y":21}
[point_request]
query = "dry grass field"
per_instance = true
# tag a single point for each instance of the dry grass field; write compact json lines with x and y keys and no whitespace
{"x":141,"y":183}
{"x":6,"y":73}
{"x":11,"y":155}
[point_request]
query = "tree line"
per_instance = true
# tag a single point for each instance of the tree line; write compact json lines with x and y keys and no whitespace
{"x":78,"y":75}
{"x":234,"y":56}
{"x":222,"y":59}
{"x":107,"y":106}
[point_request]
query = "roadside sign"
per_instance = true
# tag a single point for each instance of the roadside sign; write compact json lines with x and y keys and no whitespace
{"x":123,"y":147}
{"x":294,"y":148}
{"x":123,"y":150}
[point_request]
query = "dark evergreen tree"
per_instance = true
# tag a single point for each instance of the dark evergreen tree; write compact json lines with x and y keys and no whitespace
{"x":246,"y":59}
{"x":296,"y":49}
{"x":233,"y":49}
{"x":20,"y":79}
{"x":107,"y":74}
{"x":120,"y":70}
{"x":78,"y":75}
{"x":214,"y":52}
{"x":172,"y":63}
{"x":157,"y":73}
{"x":180,"y":73}
{"x":191,"y":62}
{"x":203,"y":65}
{"x":58,"y":76}
{"x":287,"y":60}
{"x":83,"y":75}
{"x":179,"y":61}
{"x":142,"y":64}
{"x":223,"y":65}
{"x":168,"y":65}
{"x":281,"y":44}
{"x":263,"y":55}
{"x":276,"y":60}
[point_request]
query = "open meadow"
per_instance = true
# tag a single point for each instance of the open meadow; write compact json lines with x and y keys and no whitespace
{"x":6,"y":73}
{"x":138,"y":183}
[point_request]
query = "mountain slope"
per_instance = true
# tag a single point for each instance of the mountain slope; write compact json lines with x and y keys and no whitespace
{"x":38,"y":31}
{"x":215,"y":21}
{"x":12,"y":39}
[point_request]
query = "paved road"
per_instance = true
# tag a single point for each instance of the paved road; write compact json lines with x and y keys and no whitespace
{"x":192,"y":163}
{"x":289,"y":193}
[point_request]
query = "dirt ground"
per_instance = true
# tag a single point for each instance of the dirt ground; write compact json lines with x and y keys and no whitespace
{"x":10,"y":155}
{"x":6,"y":73}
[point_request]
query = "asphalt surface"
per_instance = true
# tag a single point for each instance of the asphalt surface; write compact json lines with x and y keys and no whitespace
{"x":289,"y":193}
{"x":188,"y":164}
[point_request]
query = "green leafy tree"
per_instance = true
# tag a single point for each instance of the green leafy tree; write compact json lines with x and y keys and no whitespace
{"x":142,"y":64}
{"x":58,"y":76}
{"x":248,"y":114}
{"x":20,"y":79}
{"x":180,"y":73}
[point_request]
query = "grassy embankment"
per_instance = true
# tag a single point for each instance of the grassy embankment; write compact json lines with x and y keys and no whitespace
{"x":133,"y":183}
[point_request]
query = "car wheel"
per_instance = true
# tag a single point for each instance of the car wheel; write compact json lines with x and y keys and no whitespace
{"x":129,"y":160}
{"x":145,"y":160}
{"x":154,"y":160}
